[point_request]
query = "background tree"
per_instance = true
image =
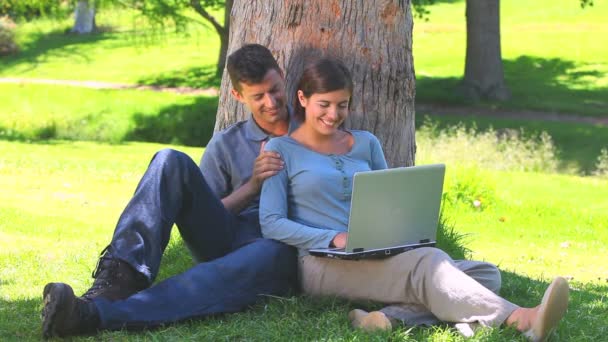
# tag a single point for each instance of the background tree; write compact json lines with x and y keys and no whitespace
{"x":159,"y":11}
{"x":374,"y":39}
{"x":483,"y":73}
{"x":84,"y":17}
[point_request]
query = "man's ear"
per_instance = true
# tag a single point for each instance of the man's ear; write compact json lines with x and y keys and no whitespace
{"x":237,"y":95}
{"x":303,"y":100}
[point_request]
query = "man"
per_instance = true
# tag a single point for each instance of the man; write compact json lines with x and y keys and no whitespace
{"x":215,"y":208}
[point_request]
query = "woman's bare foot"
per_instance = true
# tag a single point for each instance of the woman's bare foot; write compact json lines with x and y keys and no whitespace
{"x":538,"y":322}
{"x":369,"y":321}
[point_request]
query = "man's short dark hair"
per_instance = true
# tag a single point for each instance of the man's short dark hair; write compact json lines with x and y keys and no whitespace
{"x":249,"y":65}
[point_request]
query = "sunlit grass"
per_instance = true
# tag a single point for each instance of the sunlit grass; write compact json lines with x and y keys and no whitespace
{"x":39,"y":112}
{"x":551,"y":55}
{"x":60,"y":202}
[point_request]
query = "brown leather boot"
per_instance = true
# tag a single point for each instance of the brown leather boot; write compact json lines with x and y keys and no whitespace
{"x":115,"y":280}
{"x":64,"y":314}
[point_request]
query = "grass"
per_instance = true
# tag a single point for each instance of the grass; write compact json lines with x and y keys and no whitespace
{"x":552,"y":57}
{"x":576,"y":146}
{"x":527,"y":204}
{"x":129,"y":51}
{"x":35,"y":112}
{"x":61,"y":201}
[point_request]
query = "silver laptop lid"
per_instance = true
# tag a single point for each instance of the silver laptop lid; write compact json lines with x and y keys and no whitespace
{"x":395,"y":207}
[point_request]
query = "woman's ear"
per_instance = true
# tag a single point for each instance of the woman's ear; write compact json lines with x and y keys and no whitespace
{"x":303,"y":100}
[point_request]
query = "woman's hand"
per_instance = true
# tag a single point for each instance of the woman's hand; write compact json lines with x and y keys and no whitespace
{"x":339,"y":241}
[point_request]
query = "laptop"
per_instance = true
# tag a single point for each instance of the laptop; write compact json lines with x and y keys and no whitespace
{"x":391,"y":211}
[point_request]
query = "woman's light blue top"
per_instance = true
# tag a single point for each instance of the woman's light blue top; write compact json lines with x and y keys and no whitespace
{"x":308,"y":202}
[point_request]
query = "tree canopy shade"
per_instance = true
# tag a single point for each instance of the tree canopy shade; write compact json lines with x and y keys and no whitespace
{"x":160,"y":10}
{"x":483,"y":74}
{"x":374,"y":39}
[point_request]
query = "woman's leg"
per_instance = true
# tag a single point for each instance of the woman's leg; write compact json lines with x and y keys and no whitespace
{"x":484,"y":273}
{"x":424,"y":276}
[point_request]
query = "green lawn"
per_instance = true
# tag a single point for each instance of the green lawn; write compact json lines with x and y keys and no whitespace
{"x":553,"y":55}
{"x":540,"y":212}
{"x":127,"y":52}
{"x":35,"y":112}
{"x":60,"y":201}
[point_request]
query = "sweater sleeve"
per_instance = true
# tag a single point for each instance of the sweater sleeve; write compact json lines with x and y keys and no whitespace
{"x":274,"y":220}
{"x":378,"y":161}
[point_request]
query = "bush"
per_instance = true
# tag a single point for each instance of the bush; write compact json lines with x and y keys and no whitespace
{"x":511,"y":150}
{"x":29,"y":9}
{"x":601,"y":168}
{"x":7,"y":37}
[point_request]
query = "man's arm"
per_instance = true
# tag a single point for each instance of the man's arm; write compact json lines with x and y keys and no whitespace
{"x":267,"y":164}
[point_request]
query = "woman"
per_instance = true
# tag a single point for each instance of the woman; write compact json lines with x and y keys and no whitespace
{"x":307,"y":205}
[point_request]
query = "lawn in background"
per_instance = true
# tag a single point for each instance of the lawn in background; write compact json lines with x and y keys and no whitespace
{"x":553,"y":55}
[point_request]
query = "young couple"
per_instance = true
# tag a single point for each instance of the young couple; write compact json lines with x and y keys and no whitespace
{"x":304,"y":176}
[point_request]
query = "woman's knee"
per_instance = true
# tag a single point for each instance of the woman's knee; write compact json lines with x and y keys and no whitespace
{"x":432,"y":255}
{"x":490,"y":277}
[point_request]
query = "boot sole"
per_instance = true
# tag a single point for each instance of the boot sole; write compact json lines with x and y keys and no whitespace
{"x":54,"y":295}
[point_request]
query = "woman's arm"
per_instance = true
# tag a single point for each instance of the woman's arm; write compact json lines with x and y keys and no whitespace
{"x":276,"y":225}
{"x":274,"y":221}
{"x":378,"y":162}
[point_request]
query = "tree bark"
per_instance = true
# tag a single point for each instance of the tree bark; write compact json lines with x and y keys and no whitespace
{"x":222,"y":31}
{"x":483,"y":73}
{"x":224,"y":38}
{"x":373,"y":38}
{"x":84,"y":17}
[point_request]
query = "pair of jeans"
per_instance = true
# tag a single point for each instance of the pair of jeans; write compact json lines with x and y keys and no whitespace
{"x":236,"y":266}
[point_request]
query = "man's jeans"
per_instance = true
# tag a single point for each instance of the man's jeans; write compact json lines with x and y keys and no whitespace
{"x":240,"y":265}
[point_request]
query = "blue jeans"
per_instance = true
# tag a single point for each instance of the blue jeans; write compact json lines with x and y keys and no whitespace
{"x":238,"y":265}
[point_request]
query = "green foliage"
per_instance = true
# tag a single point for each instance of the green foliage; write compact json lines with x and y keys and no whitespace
{"x":173,"y":11}
{"x":601,"y":169}
{"x":7,"y":37}
{"x":506,"y":149}
{"x":30,"y":9}
{"x":471,"y":188}
{"x":451,"y":241}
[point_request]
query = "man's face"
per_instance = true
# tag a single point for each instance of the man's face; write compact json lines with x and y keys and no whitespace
{"x":266,"y":100}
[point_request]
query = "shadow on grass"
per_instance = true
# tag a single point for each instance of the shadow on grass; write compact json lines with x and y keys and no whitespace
{"x":190,"y":124}
{"x":199,"y":77}
{"x":305,"y":318}
{"x":578,"y":145}
{"x":545,"y":84}
{"x":56,"y":43}
{"x":587,"y":308}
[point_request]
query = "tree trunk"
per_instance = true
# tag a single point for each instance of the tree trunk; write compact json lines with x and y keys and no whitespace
{"x":84,"y":17}
{"x":373,"y":38}
{"x":483,"y":73}
{"x":224,"y":37}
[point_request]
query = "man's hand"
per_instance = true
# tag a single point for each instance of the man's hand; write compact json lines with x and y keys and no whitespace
{"x":339,"y":241}
{"x":267,"y":164}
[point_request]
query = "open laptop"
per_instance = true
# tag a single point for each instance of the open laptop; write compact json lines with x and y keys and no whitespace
{"x":391,"y":211}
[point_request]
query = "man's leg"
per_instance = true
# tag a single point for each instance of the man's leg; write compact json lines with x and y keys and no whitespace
{"x":172,"y":190}
{"x":227,"y":284}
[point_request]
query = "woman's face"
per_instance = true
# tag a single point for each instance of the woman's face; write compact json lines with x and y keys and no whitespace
{"x":325,"y":112}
